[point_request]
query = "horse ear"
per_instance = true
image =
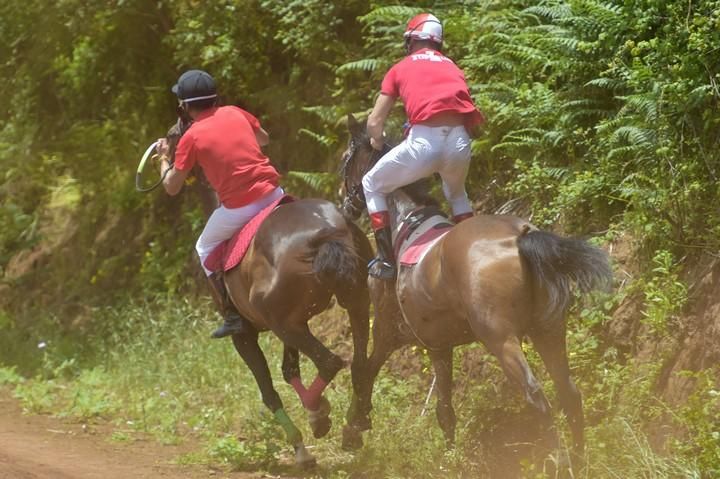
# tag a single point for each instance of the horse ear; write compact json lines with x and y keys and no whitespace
{"x":355,"y":128}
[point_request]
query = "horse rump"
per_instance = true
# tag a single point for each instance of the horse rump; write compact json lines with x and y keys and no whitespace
{"x":555,"y":263}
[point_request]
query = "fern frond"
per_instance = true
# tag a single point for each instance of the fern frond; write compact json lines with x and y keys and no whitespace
{"x":390,"y":13}
{"x":606,"y":83}
{"x":328,"y":114}
{"x":646,"y":104}
{"x":550,"y":12}
{"x":634,"y":136}
{"x":366,"y":64}
{"x":324,"y":140}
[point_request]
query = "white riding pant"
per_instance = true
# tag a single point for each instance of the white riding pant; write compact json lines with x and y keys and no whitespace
{"x":426,"y":150}
{"x":225,"y":222}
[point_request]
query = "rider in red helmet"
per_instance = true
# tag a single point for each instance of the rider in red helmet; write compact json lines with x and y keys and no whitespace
{"x":440,"y":113}
{"x":225,"y":142}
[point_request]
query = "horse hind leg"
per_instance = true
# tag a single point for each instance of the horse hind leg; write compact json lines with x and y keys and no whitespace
{"x":291,"y":370}
{"x":515,"y":366}
{"x":246,"y":344}
{"x":551,"y":347}
{"x":443,"y":364}
{"x":328,"y":365}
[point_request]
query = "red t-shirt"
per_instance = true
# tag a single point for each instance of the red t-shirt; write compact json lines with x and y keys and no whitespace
{"x":222,"y":141}
{"x":429,"y":83}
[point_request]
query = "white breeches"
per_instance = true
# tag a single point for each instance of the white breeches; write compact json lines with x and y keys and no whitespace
{"x":426,"y":150}
{"x":225,"y":222}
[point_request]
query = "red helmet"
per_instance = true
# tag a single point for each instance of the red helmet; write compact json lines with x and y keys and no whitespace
{"x":424,"y":27}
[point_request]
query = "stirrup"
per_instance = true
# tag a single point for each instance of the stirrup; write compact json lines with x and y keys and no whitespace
{"x":381,"y":269}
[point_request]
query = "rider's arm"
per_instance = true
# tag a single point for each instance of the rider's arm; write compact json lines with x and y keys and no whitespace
{"x":174,"y":179}
{"x":376,"y":120}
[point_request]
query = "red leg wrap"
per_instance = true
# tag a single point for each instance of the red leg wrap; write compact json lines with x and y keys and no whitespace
{"x":297,"y":385}
{"x":379,"y":220}
{"x":314,"y":393}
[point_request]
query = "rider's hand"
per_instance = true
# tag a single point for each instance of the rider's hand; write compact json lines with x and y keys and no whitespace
{"x":162,"y":147}
{"x":377,"y":144}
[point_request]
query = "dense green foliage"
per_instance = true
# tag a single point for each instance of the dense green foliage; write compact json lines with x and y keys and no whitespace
{"x":601,"y":115}
{"x":602,"y":119}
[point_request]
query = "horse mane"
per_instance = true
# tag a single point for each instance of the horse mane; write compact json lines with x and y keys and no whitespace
{"x":419,"y":192}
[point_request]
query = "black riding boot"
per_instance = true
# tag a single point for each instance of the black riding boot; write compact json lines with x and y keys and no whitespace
{"x":383,"y":267}
{"x":233,"y":323}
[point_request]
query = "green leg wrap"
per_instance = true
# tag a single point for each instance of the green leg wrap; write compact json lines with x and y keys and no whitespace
{"x":294,"y":435}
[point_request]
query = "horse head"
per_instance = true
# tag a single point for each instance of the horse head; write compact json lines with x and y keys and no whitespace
{"x":357,"y":160}
{"x":208,"y":197}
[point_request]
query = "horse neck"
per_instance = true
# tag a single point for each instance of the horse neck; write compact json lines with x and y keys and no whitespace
{"x":399,"y":206}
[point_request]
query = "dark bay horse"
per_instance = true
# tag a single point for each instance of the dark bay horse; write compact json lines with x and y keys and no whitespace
{"x":494,"y":279}
{"x":303,"y":254}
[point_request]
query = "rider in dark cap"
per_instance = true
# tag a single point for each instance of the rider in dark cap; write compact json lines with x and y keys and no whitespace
{"x":225,"y":142}
{"x":195,"y":85}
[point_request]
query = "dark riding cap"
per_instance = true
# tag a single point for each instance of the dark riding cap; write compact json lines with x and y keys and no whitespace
{"x":195,"y":85}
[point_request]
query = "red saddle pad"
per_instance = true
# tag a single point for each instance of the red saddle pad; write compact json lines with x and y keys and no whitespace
{"x":412,"y":253}
{"x":230,"y":253}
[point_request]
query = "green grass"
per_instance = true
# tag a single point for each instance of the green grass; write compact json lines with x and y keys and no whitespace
{"x":161,"y":375}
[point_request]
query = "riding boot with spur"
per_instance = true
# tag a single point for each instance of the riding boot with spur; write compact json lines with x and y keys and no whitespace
{"x":383,"y":266}
{"x":233,"y":323}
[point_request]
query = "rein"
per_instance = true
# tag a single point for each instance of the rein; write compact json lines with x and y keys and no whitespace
{"x":354,"y":201}
{"x":141,"y":168}
{"x":178,"y":130}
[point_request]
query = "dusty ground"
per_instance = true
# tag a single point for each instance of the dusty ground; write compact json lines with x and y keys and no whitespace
{"x":43,"y":447}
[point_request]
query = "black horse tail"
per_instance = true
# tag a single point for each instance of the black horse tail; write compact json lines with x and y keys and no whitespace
{"x":555,"y":263}
{"x":334,"y":260}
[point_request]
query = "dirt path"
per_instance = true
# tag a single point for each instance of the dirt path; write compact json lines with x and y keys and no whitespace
{"x":42,"y":447}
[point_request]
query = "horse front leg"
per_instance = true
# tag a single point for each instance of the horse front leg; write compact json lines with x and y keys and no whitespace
{"x":246,"y":344}
{"x":386,"y":339}
{"x":357,"y":304}
{"x":442,"y":361}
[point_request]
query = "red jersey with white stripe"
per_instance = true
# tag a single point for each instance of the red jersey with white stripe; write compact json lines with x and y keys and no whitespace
{"x":429,"y":83}
{"x":222,"y":141}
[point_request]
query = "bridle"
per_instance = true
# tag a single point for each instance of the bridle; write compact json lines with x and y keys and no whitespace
{"x":354,"y":201}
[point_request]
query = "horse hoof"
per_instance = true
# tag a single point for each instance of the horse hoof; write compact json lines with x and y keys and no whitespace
{"x":321,"y":427}
{"x":303,"y":458}
{"x":363,"y":423}
{"x":352,"y":439}
{"x":319,"y":420}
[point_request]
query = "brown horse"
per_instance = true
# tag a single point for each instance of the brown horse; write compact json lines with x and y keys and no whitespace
{"x":303,"y":254}
{"x":494,"y":279}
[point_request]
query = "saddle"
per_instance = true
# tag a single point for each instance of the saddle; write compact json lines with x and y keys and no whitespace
{"x":420,"y":230}
{"x":231,"y":252}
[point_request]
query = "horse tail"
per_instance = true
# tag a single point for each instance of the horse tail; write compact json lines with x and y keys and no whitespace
{"x":555,"y":263}
{"x":334,"y":259}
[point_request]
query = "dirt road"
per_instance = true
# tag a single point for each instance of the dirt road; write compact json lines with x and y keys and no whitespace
{"x":42,"y":447}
